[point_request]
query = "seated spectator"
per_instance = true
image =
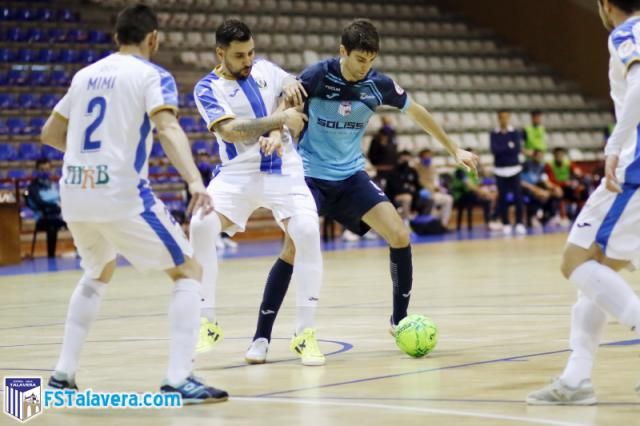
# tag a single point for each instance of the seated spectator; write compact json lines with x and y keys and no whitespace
{"x":468,"y":191}
{"x":535,"y":135}
{"x":428,"y":179}
{"x":403,"y":187}
{"x":43,"y":198}
{"x":383,"y":151}
{"x":563,"y":173}
{"x":543,"y":196}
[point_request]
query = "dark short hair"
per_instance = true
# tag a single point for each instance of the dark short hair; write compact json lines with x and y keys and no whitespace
{"x":503,"y":110}
{"x":362,"y":35}
{"x":628,"y":6}
{"x":536,"y":112}
{"x":41,"y":161}
{"x":558,"y":150}
{"x":405,"y":152}
{"x":424,"y":151}
{"x":134,"y":23}
{"x":232,"y":30}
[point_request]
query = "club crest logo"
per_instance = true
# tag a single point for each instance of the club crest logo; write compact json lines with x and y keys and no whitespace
{"x":344,"y":109}
{"x":23,"y":397}
{"x":261,"y":83}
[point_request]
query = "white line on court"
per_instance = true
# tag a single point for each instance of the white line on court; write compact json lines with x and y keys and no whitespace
{"x":459,"y":413}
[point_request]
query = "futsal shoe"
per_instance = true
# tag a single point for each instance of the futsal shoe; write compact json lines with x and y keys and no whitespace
{"x":559,"y":393}
{"x":194,"y":391}
{"x":392,"y":327}
{"x":210,"y":335}
{"x":62,"y":381}
{"x":257,"y":352}
{"x":306,"y":347}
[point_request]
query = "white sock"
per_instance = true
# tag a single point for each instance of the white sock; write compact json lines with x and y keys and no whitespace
{"x":83,"y":309}
{"x":184,"y":320}
{"x":204,"y":233}
{"x":607,"y":289}
{"x":587,"y":324}
{"x":307,"y":268}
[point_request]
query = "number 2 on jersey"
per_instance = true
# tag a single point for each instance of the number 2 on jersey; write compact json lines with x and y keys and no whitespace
{"x":100,"y":103}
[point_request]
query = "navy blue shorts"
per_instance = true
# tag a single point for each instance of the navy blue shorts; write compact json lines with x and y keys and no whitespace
{"x":346,"y":201}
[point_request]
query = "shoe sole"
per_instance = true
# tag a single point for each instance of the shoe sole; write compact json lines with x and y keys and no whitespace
{"x":204,"y":401}
{"x":254,"y":361}
{"x":313,"y":363}
{"x":588,"y":401}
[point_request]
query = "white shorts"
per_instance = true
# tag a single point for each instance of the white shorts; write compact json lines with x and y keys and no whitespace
{"x":613,"y":222}
{"x":152,"y":240}
{"x":237,"y":196}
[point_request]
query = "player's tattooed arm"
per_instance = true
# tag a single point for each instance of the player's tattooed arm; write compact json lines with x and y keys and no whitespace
{"x":54,"y":132}
{"x":238,"y":130}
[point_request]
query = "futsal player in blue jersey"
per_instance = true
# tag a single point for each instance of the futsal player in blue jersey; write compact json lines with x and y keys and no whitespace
{"x":343,"y":94}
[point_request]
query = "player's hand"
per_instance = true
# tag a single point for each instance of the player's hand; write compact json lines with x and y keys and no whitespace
{"x":272,"y":143}
{"x":610,"y":166}
{"x":467,"y":159}
{"x":294,"y":94}
{"x":200,"y":200}
{"x":295,"y":121}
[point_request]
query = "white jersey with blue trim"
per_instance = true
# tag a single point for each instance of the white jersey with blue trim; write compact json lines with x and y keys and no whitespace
{"x":107,"y":106}
{"x":256,"y":96}
{"x":624,"y":47}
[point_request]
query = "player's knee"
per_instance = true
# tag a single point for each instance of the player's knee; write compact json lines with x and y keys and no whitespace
{"x":189,"y":269}
{"x":288,"y":252}
{"x":208,"y":225}
{"x":399,"y":237}
{"x":304,"y":228}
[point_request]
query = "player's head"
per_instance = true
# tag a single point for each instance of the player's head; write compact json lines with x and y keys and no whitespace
{"x":614,"y":12}
{"x":536,"y":117}
{"x":426,"y":156}
{"x":43,"y":168}
{"x":404,"y":158}
{"x":504,"y":118}
{"x":235,"y":48}
{"x":537,"y":156}
{"x":559,"y":154}
{"x":138,"y":26}
{"x":359,"y":46}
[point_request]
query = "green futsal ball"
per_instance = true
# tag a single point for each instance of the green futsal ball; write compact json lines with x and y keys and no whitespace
{"x":416,"y":335}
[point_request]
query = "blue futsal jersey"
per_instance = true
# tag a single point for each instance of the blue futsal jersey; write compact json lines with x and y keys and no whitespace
{"x":338,"y":113}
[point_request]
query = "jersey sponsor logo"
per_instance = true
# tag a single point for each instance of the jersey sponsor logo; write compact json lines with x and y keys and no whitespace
{"x":344,"y":109}
{"x":364,"y":96}
{"x":399,"y":90}
{"x":332,"y":95}
{"x":87,"y":177}
{"x":626,"y":49}
{"x":332,"y":88}
{"x":340,"y":124}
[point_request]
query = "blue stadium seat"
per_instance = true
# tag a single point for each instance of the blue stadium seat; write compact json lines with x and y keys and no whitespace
{"x":98,"y":37}
{"x":87,"y":56}
{"x":155,"y":170}
{"x":60,"y":78}
{"x":35,"y":125}
{"x":201,"y":126}
{"x":47,"y":55}
{"x":17,"y":77}
{"x":6,"y":101}
{"x":29,"y":151}
{"x":68,"y":56}
{"x":28,"y":101}
{"x":51,"y":153}
{"x":3,"y":129}
{"x":16,"y":34}
{"x":36,"y":35}
{"x":25,"y":14}
{"x":4,"y":78}
{"x":57,"y":35}
{"x":7,"y":55}
{"x":77,"y":35}
{"x":17,"y":174}
{"x":156,"y":150}
{"x":16,"y":125}
{"x":6,"y":14}
{"x":199,"y":146}
{"x":8,"y":152}
{"x":47,"y":15}
{"x":188,"y":124}
{"x":26,"y":55}
{"x":67,"y":15}
{"x":48,"y":101}
{"x":39,"y":78}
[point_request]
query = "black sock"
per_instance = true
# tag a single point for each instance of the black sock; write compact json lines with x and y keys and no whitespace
{"x":402,"y":278}
{"x":274,"y":292}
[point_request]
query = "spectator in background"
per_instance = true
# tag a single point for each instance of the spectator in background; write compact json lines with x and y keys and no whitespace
{"x":563,"y":173}
{"x":506,"y":144}
{"x":383,"y":151}
{"x":43,"y":198}
{"x":467,"y":191}
{"x":403,"y":186}
{"x":535,"y":135}
{"x":544,"y":197}
{"x":428,"y":179}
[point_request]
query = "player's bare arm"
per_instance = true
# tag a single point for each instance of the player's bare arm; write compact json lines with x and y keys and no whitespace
{"x":237,"y":130}
{"x":54,"y":132}
{"x":176,"y":145}
{"x":424,"y":119}
{"x":293,"y":92}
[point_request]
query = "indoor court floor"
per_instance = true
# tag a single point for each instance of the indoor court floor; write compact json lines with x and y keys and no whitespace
{"x":501,"y":306}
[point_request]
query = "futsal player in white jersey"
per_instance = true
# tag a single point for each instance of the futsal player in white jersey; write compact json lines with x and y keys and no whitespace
{"x":104,"y":125}
{"x":605,"y":237}
{"x":238,"y":101}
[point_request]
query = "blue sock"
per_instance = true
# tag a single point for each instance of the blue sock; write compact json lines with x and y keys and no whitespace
{"x":274,"y":292}
{"x":402,"y":279}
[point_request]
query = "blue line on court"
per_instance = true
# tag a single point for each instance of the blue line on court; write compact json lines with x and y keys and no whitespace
{"x":428,"y":370}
